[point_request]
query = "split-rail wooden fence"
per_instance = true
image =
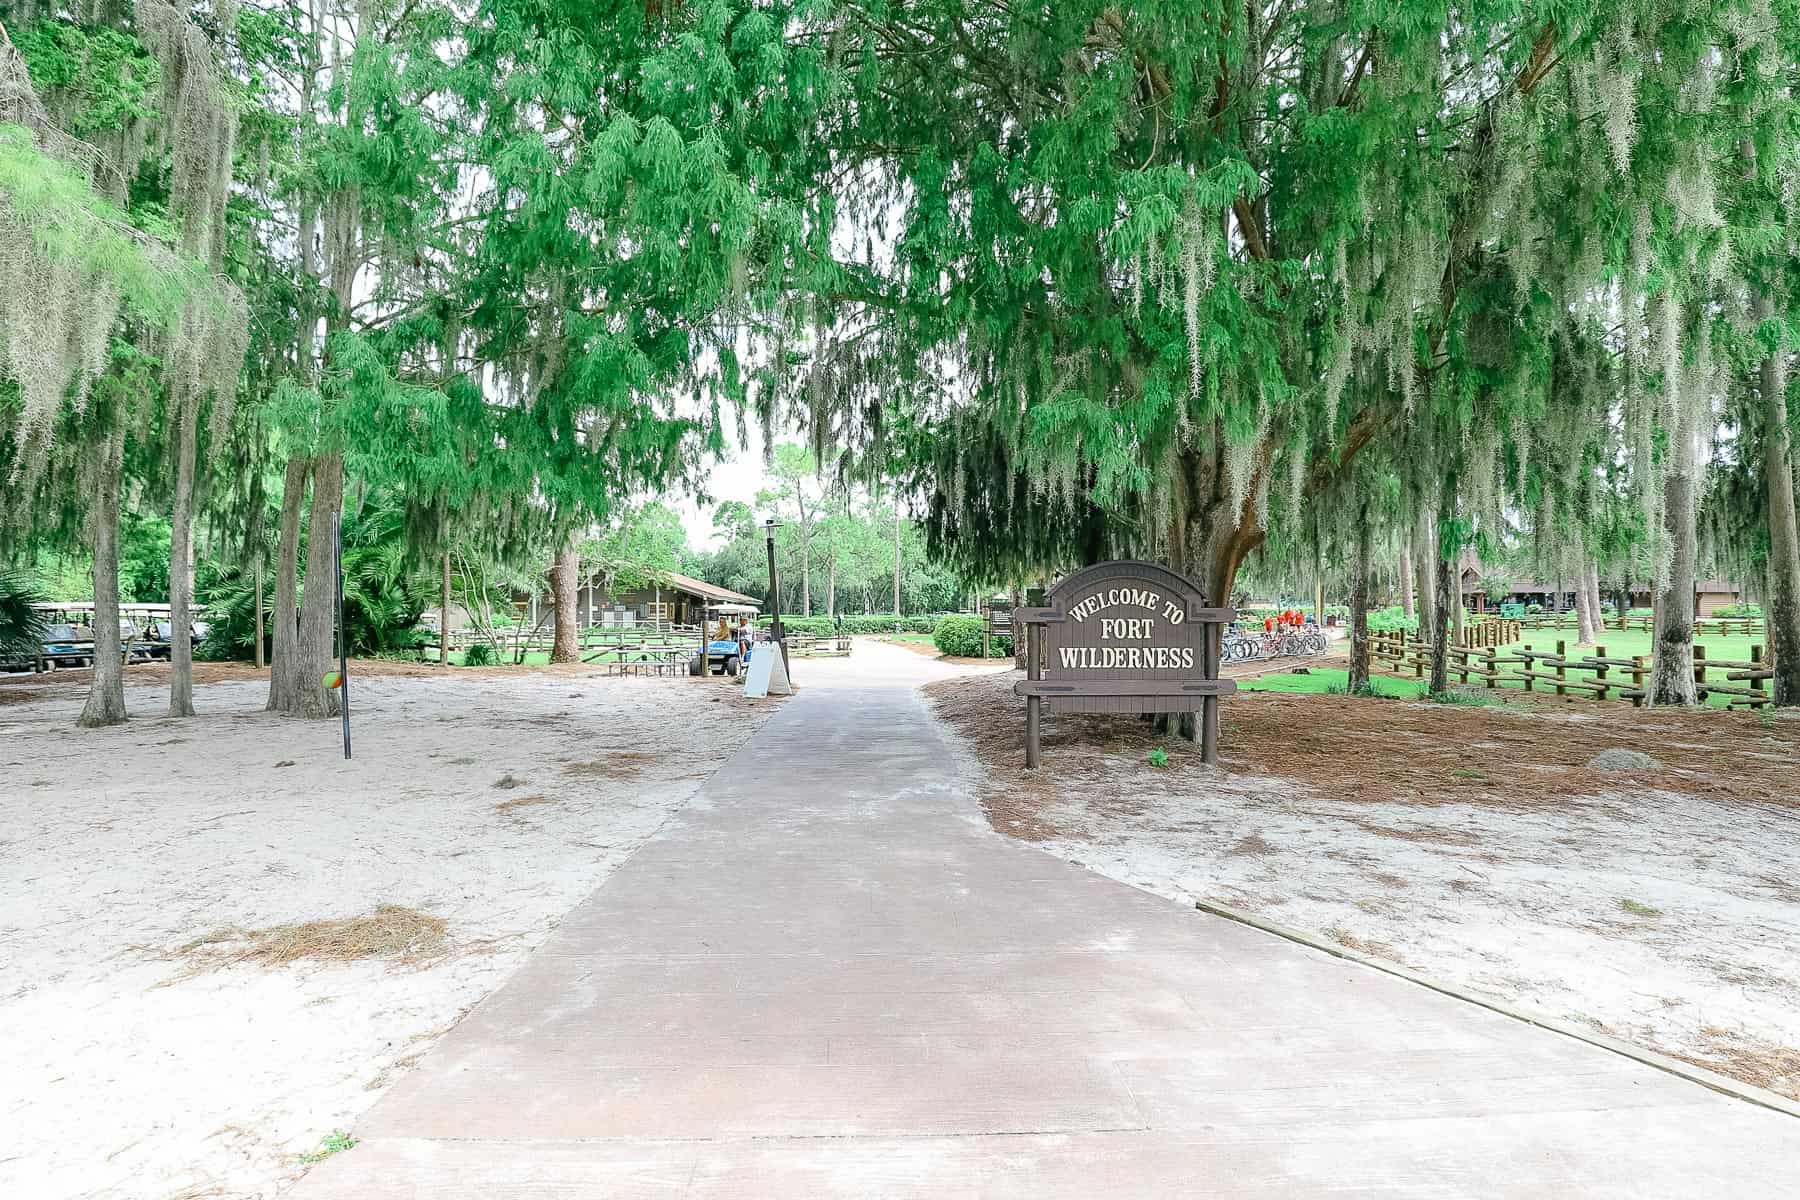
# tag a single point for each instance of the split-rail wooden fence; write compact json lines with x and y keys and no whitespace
{"x":1558,"y":673}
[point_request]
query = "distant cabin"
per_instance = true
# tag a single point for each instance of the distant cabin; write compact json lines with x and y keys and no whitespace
{"x":1710,"y":595}
{"x":676,"y":600}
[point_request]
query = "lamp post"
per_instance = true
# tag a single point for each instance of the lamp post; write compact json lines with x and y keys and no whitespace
{"x":776,"y":633}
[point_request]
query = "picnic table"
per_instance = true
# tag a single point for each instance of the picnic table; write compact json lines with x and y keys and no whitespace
{"x":665,"y":659}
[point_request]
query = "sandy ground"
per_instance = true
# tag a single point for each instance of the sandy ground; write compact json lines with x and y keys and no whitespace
{"x":494,"y":801}
{"x":1471,"y":844}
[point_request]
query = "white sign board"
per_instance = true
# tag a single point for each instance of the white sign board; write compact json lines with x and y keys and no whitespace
{"x":768,"y":672}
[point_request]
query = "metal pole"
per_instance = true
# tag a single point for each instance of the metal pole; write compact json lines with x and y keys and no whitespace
{"x":337,"y":547}
{"x":775,"y":630}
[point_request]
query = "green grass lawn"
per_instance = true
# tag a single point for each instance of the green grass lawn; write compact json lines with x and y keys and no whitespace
{"x":535,"y":658}
{"x":1623,"y":643}
{"x":1319,"y":680}
{"x":1626,"y":643}
{"x":1618,"y":644}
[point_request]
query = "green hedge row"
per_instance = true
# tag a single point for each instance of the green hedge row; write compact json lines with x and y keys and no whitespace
{"x":959,"y":636}
{"x":858,"y":623}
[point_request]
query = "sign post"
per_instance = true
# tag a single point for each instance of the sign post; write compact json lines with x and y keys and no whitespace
{"x":1124,"y":637}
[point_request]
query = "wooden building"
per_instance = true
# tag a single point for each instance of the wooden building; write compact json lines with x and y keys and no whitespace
{"x":676,"y":599}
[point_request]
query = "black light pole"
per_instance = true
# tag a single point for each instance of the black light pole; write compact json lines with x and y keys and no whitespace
{"x":775,"y":630}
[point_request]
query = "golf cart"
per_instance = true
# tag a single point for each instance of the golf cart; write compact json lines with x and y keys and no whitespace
{"x":724,"y":655}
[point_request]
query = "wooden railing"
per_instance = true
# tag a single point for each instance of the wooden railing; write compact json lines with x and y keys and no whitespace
{"x":1703,"y":626}
{"x":1597,"y":675}
{"x":516,"y":641}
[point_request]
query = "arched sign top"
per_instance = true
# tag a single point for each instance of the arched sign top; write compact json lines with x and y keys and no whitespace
{"x":1127,"y":582}
{"x":1076,"y":585}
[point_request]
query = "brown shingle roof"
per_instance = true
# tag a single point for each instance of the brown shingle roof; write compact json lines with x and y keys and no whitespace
{"x":705,"y":590}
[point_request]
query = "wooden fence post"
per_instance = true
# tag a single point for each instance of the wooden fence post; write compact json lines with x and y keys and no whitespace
{"x":1700,"y":668}
{"x":1209,"y":706}
{"x":1033,"y":670}
{"x":1637,"y":680}
{"x":1530,"y":666}
{"x":1600,"y":672}
{"x":1562,"y":667}
{"x":1488,"y":663}
{"x":1756,"y":664}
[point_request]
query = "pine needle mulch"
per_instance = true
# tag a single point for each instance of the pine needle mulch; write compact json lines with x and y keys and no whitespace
{"x":1376,"y":750}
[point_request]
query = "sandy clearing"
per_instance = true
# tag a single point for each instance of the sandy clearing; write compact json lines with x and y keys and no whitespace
{"x":1663,"y":917}
{"x":128,"y":1077}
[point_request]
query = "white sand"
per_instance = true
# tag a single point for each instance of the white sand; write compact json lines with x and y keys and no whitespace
{"x":123,"y":1079}
{"x":1526,"y":905}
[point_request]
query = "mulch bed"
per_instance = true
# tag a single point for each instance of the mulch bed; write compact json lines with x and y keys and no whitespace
{"x":1382,"y":751}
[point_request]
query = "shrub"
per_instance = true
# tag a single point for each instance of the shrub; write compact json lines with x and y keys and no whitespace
{"x":1391,"y":619}
{"x":21,"y":625}
{"x":959,"y":636}
{"x":1738,"y":610}
{"x":1534,"y":610}
{"x":854,"y":624}
{"x":479,"y":654}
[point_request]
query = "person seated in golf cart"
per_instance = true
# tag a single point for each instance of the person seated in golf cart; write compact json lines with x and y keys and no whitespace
{"x":726,"y":647}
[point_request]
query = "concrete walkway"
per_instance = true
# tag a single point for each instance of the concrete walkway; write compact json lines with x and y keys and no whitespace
{"x":828,"y":977}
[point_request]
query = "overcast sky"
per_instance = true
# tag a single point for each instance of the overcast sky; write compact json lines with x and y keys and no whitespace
{"x":739,"y":477}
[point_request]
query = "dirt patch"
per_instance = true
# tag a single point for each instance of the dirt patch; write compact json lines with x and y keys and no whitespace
{"x":1776,"y":1068}
{"x":618,"y":764}
{"x":510,"y":810}
{"x":1368,"y":946}
{"x":392,"y":931}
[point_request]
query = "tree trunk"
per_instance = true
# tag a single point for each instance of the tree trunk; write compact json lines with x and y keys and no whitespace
{"x":1783,"y":603}
{"x":1594,"y":609}
{"x":256,"y":571}
{"x":565,"y":647}
{"x":1424,"y":563}
{"x":1407,"y":578}
{"x":831,"y":588}
{"x":284,"y":660}
{"x":444,"y":616}
{"x":1442,"y":600}
{"x":1672,"y":660}
{"x":1584,"y":613}
{"x":1440,"y":630}
{"x":805,"y":556}
{"x":1359,"y":601}
{"x":181,"y":565}
{"x":318,"y":608}
{"x":106,"y":693}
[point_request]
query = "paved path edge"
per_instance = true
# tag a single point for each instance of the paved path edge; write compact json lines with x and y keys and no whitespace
{"x":1723,"y":1084}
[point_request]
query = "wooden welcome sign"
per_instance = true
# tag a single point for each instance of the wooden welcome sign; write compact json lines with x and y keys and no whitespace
{"x":1124,"y":637}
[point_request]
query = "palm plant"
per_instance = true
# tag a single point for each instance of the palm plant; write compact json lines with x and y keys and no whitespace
{"x":21,"y":625}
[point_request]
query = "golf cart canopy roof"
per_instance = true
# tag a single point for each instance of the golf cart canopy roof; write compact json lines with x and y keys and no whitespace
{"x":734,"y":609}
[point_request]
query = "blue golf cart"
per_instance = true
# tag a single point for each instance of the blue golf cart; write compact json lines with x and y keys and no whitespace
{"x":724,"y":655}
